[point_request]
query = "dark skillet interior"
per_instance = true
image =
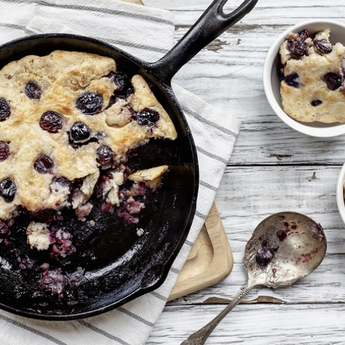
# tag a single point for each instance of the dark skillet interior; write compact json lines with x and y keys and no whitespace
{"x":118,"y":265}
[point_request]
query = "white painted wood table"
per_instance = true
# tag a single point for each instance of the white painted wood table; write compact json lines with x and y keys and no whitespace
{"x":272,"y":168}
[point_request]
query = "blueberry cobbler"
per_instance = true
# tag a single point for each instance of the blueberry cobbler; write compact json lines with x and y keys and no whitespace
{"x":312,"y":77}
{"x":69,"y":124}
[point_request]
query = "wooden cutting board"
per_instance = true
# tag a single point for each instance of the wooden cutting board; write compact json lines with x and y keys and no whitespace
{"x":210,"y":259}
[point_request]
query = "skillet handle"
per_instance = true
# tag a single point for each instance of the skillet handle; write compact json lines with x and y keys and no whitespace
{"x":210,"y":25}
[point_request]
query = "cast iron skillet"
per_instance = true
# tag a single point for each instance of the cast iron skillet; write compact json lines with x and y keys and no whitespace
{"x":117,"y":265}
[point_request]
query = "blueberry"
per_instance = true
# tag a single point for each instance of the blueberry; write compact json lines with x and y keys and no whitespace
{"x":297,"y":49}
{"x":123,"y":84}
{"x":51,"y":121}
{"x":33,"y":90}
{"x":292,"y":80}
{"x":79,"y":132}
{"x":44,"y":164}
{"x":303,"y":35}
{"x":104,"y":155}
{"x":264,"y":256}
{"x":323,"y":46}
{"x":5,"y":110}
{"x":333,"y":80}
{"x":316,"y":102}
{"x":147,"y":117}
{"x":297,"y":46}
{"x":90,"y":103}
{"x":8,"y":189}
{"x":4,"y":151}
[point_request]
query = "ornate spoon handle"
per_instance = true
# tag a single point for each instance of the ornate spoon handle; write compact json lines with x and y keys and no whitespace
{"x":199,"y":337}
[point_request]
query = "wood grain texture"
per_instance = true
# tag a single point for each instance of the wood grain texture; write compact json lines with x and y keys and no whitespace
{"x":209,"y":261}
{"x":272,"y":168}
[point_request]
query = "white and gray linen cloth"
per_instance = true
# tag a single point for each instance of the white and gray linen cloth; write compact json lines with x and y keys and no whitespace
{"x":147,"y":33}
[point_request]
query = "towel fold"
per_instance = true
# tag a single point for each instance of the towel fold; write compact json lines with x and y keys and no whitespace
{"x":147,"y":33}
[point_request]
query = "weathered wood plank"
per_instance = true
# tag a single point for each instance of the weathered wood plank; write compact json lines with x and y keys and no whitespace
{"x":249,"y":194}
{"x":255,"y":324}
{"x":272,"y":168}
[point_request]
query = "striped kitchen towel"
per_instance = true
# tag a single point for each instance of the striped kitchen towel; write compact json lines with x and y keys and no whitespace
{"x":147,"y":33}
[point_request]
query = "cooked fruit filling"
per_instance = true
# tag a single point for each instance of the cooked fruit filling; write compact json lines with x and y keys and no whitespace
{"x":69,"y":122}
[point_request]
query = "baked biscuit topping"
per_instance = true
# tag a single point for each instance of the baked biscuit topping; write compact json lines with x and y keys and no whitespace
{"x":312,"y":77}
{"x":61,"y":117}
{"x":69,"y":123}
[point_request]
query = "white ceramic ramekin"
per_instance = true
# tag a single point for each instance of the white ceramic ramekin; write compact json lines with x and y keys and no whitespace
{"x":272,"y":83}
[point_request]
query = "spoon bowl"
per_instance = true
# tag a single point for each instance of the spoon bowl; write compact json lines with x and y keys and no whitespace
{"x":295,"y":246}
{"x":284,"y":248}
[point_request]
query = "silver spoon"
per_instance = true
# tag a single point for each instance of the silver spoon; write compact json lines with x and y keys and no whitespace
{"x":284,"y":247}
